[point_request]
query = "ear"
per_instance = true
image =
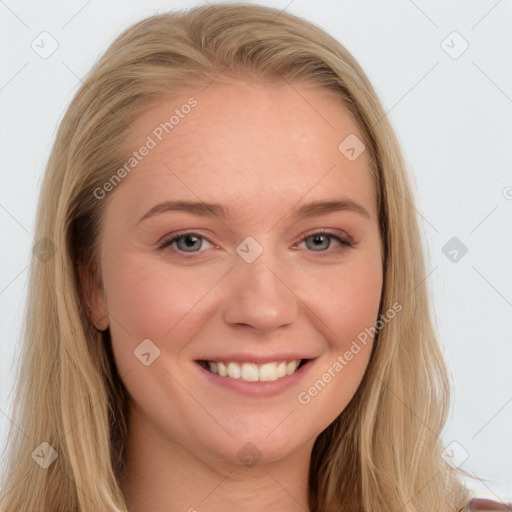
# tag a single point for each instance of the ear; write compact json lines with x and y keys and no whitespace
{"x":93,"y":296}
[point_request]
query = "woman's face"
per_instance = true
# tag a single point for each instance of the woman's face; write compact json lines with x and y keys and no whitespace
{"x":260,"y":277}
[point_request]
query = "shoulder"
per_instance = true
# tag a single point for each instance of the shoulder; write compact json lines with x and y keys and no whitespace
{"x":486,"y":505}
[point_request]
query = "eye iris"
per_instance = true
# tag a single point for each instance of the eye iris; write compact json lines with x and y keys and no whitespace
{"x":318,"y":238}
{"x":189,"y":244}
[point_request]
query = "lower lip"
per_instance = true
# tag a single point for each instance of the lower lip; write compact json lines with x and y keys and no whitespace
{"x":258,"y":388}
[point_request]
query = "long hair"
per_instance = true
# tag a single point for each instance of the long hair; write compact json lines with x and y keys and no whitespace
{"x":383,"y":452}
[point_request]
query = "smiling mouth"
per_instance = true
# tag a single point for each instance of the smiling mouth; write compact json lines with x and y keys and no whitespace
{"x":252,"y":372}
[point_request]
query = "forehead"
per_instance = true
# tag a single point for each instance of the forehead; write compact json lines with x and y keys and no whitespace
{"x":248,"y":144}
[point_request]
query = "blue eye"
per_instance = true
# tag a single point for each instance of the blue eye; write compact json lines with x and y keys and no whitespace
{"x":321,"y":241}
{"x":190,"y":242}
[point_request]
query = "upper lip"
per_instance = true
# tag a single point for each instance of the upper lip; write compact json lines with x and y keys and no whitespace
{"x":254,"y":358}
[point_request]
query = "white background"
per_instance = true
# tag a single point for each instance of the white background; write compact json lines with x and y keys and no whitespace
{"x":453,"y":117}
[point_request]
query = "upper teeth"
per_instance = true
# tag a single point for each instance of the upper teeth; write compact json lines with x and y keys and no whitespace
{"x":253,"y":372}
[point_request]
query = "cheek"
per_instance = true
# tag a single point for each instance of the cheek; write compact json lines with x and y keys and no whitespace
{"x":347,"y":308}
{"x":346,"y":299}
{"x":149,"y":299}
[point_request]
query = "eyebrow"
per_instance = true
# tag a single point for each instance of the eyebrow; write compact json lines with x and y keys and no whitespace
{"x":312,"y":209}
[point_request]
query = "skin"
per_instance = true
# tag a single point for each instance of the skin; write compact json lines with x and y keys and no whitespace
{"x":261,"y":150}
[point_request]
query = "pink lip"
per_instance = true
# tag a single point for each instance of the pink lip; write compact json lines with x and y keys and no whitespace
{"x":259,"y":389}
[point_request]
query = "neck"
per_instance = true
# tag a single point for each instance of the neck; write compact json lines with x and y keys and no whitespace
{"x":164,"y":475}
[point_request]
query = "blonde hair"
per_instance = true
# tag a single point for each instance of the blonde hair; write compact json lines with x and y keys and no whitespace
{"x":383,"y":452}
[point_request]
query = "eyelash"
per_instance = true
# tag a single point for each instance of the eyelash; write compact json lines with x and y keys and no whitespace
{"x":332,"y":234}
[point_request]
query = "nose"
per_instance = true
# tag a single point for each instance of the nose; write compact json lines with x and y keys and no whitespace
{"x":260,"y":294}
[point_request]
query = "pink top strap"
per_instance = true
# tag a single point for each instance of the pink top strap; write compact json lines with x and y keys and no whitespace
{"x":485,"y":505}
